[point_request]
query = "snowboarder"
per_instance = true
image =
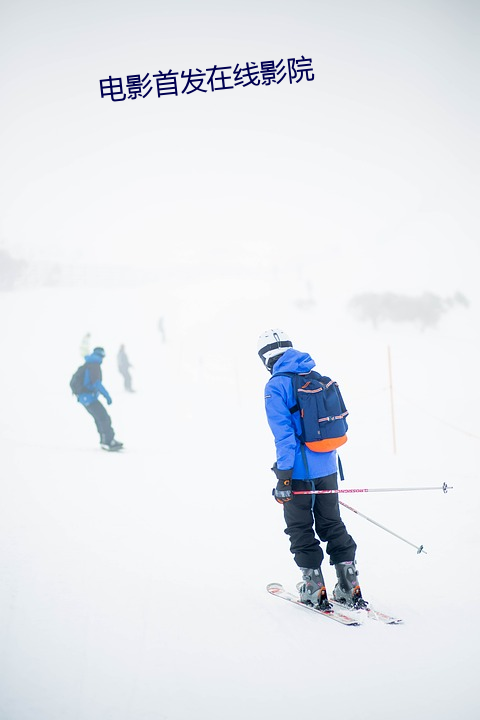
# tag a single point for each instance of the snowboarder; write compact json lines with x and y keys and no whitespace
{"x":309,"y":518}
{"x":88,"y":397}
{"x":123,"y":364}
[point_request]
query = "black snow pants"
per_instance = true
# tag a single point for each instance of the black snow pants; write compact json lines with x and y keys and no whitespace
{"x":102,"y":421}
{"x":309,"y":517}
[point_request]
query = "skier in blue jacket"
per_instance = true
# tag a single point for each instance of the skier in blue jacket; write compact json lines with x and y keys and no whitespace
{"x":309,"y":518}
{"x":93,"y":387}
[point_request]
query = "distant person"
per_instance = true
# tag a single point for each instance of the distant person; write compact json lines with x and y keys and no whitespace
{"x":86,"y":384}
{"x":124,"y":368}
{"x":161,"y":329}
{"x":85,"y":345}
{"x":303,"y":465}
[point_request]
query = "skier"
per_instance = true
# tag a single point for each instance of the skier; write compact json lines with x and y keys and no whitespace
{"x":88,"y":397}
{"x":308,"y":518}
{"x":85,"y":345}
{"x":161,"y":329}
{"x":123,"y":364}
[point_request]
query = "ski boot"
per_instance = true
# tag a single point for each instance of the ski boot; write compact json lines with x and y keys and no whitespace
{"x":347,"y":590}
{"x":312,"y":589}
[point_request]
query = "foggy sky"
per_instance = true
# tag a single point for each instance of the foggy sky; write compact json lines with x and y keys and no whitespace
{"x":373,"y":163}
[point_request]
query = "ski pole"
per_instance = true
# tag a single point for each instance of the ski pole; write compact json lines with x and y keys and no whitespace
{"x":419,"y":548}
{"x":443,"y":487}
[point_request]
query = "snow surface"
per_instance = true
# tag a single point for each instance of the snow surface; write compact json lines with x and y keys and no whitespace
{"x":133,"y":585}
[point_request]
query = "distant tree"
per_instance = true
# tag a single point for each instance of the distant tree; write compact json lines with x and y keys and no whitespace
{"x":460,"y":299}
{"x":10,"y":270}
{"x":427,"y":309}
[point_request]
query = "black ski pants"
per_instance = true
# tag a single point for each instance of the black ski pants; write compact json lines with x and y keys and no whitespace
{"x":310,"y":517}
{"x":102,"y":421}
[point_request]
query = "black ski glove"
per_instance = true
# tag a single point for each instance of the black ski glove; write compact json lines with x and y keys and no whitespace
{"x":283,"y":492}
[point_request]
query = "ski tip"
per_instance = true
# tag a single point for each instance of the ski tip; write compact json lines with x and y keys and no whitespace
{"x":274,"y":587}
{"x":383,"y":617}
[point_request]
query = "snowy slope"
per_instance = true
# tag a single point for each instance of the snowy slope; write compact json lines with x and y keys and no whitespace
{"x":116,"y":569}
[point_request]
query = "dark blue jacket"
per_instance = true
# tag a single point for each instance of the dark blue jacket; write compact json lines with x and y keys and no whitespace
{"x":93,"y":381}
{"x":285,"y":426}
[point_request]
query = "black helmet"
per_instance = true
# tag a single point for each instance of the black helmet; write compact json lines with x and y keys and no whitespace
{"x":99,"y":351}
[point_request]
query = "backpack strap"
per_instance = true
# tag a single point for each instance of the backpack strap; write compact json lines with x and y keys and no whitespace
{"x":293,"y":377}
{"x":304,"y":458}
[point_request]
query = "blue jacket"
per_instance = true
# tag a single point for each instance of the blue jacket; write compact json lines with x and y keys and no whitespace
{"x":285,"y":426}
{"x":93,"y":381}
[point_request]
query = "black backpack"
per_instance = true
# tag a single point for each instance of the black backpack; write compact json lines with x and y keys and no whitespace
{"x":78,"y":378}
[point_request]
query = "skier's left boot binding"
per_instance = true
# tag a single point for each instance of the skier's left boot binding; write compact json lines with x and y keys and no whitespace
{"x":312,"y":589}
{"x":347,"y":590}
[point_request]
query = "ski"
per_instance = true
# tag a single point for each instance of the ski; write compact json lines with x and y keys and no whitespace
{"x":336,"y":613}
{"x":371,"y":613}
